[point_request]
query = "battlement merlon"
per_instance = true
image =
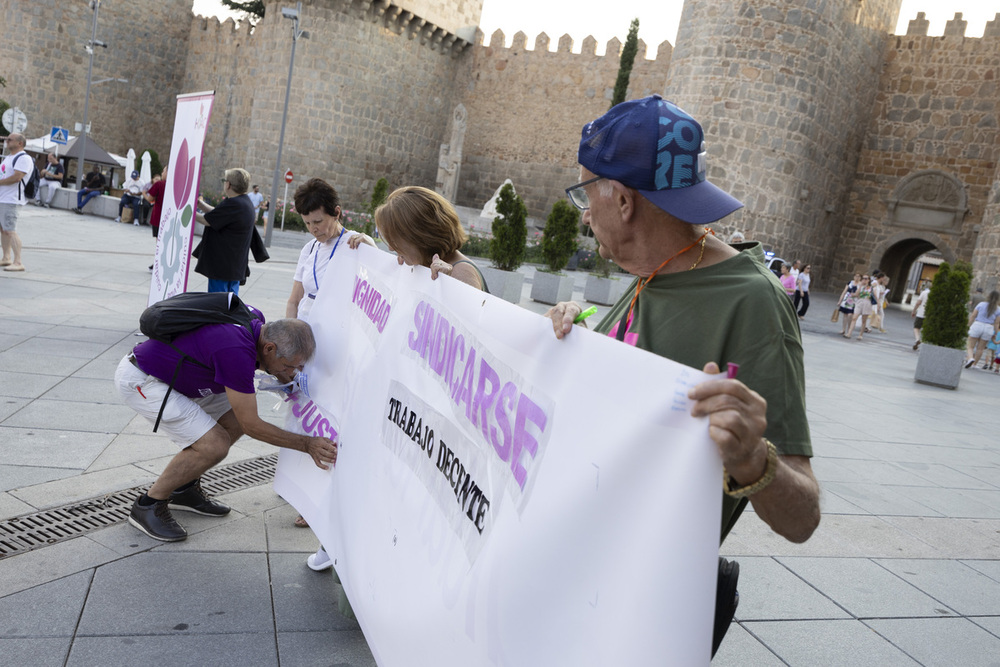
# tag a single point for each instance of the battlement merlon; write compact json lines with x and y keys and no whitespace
{"x":956,"y":27}
{"x":587,"y":48}
{"x":215,"y":28}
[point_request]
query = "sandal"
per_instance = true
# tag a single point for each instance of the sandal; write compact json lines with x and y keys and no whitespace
{"x":300,"y":522}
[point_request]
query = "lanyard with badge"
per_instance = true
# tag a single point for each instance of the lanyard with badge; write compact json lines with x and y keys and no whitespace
{"x":316,"y":254}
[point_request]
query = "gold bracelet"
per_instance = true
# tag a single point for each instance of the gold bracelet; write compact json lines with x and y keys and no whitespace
{"x":762,"y":483}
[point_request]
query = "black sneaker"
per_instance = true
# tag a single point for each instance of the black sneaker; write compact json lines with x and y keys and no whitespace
{"x":156,"y":521}
{"x":193,"y":499}
{"x":727,"y":599}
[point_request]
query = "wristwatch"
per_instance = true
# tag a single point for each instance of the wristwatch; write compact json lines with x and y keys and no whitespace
{"x":732,"y":488}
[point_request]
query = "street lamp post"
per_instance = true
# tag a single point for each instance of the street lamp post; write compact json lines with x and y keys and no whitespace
{"x":96,"y":6}
{"x":294,"y":15}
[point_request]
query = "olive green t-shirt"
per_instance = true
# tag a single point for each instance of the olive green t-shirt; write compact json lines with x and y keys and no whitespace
{"x":734,"y":311}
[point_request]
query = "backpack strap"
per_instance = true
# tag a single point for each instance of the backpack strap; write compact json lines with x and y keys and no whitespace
{"x":173,"y":380}
{"x":20,"y":181}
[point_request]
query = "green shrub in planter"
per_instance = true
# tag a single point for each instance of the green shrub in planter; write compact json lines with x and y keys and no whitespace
{"x":559,"y":236}
{"x":477,"y":246}
{"x":379,"y":193}
{"x":510,"y":230}
{"x":946,"y":319}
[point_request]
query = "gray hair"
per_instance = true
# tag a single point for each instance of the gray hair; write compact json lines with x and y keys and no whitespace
{"x":293,"y":338}
{"x":239,"y":180}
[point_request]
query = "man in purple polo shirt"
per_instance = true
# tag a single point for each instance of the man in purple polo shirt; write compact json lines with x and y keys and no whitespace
{"x":210,"y":407}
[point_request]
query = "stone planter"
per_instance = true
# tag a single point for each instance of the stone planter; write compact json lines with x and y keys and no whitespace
{"x":551,"y":288}
{"x":604,"y":291}
{"x":504,"y":284}
{"x":939,"y":366}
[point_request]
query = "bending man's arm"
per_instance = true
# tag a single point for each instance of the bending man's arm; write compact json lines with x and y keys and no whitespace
{"x":322,"y":450}
{"x":736,"y":422}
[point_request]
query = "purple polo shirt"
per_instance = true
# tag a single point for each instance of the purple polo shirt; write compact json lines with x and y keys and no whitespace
{"x":229,"y":351}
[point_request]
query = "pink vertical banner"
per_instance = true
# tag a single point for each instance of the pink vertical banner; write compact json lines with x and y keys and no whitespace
{"x":180,"y":197}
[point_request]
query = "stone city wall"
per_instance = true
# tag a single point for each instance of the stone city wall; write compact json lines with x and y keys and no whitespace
{"x":784,"y":91}
{"x":368,"y":99}
{"x":937,"y":110}
{"x":45,"y":65}
{"x":526,"y":109}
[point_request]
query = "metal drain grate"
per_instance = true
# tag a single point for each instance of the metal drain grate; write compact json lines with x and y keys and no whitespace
{"x":33,"y":531}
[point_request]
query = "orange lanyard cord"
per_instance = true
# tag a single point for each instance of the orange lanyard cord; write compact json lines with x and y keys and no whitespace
{"x":642,"y":284}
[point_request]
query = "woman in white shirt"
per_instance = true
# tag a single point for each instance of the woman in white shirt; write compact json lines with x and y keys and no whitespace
{"x":319,"y":205}
{"x":802,"y":291}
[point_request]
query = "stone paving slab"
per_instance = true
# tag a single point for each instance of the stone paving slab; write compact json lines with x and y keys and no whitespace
{"x":27,"y":570}
{"x":86,"y":390}
{"x":11,"y":360}
{"x":53,"y":448}
{"x":864,"y":588}
{"x":303,"y":599}
{"x":26,"y":385}
{"x":177,"y":594}
{"x":940,"y":642}
{"x":86,"y":416}
{"x":35,"y":651}
{"x":741,"y":649}
{"x":844,"y":643}
{"x":962,"y":588}
{"x":49,"y":610}
{"x":344,"y":648}
{"x":82,"y":487}
{"x":784,"y":596}
{"x":14,"y":477}
{"x":219,"y":650}
{"x":11,"y":506}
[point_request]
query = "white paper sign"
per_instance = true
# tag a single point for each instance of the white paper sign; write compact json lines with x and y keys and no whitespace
{"x":502,"y":497}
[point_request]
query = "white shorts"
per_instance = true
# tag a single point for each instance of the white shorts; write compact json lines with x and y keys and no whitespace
{"x":981,"y":330}
{"x":185,"y":420}
{"x":8,"y":217}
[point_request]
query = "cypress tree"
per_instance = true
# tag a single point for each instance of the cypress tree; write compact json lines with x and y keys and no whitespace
{"x":625,"y":64}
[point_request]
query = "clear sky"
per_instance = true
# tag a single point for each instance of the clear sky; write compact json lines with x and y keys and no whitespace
{"x":657,"y":20}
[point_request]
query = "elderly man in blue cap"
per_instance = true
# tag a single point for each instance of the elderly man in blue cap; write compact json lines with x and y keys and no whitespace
{"x":702,"y":303}
{"x":131,"y":197}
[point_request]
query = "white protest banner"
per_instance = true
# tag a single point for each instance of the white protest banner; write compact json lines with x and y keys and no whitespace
{"x":180,"y":197}
{"x":502,"y":497}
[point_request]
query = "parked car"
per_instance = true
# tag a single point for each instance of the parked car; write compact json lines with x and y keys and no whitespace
{"x":774,"y":263}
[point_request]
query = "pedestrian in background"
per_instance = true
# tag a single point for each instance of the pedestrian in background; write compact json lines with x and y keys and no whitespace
{"x":802,"y":291}
{"x":919,"y":306}
{"x":863,"y":308}
{"x":787,"y":280}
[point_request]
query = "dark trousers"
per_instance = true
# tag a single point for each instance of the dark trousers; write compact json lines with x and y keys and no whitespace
{"x":84,"y":196}
{"x":131,"y":201}
{"x":803,"y":298}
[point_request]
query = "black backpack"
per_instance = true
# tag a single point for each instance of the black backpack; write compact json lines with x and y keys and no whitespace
{"x":166,"y":320}
{"x":31,"y":187}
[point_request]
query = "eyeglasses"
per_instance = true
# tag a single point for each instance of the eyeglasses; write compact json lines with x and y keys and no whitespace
{"x":578,"y":195}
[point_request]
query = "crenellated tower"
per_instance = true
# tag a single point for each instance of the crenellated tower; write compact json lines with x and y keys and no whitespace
{"x":785,"y":91}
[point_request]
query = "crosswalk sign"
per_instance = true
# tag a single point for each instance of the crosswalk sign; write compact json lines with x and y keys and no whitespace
{"x":59,"y":135}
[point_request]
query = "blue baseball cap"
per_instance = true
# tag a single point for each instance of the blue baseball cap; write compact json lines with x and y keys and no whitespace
{"x":653,"y":146}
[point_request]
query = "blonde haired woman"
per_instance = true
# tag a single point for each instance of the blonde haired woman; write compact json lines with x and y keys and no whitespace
{"x":423,"y":229}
